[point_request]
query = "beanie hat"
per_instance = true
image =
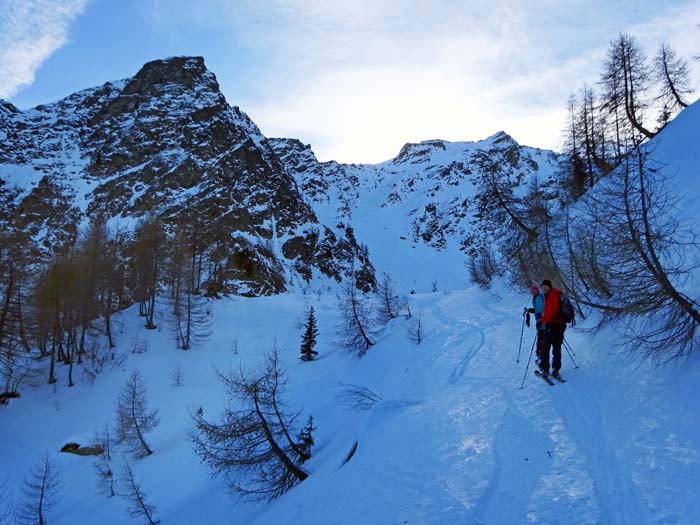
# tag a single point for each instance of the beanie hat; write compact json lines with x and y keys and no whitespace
{"x":535,"y":288}
{"x":547,"y":282}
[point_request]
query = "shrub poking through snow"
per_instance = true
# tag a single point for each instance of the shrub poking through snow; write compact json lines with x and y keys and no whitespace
{"x":5,"y":503}
{"x":358,"y":397}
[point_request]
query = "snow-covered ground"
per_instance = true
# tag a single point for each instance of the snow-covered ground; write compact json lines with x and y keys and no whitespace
{"x":454,"y":439}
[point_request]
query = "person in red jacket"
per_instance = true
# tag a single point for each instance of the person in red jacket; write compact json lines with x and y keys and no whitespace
{"x":554,"y":326}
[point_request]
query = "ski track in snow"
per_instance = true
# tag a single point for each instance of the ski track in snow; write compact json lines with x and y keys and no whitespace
{"x":617,"y":493}
{"x":462,"y":331}
{"x":549,"y":457}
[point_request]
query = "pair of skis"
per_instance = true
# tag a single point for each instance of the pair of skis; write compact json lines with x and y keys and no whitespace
{"x":548,"y":380}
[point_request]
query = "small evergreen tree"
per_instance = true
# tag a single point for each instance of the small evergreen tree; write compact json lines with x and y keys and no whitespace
{"x":306,"y":439}
{"x":308,"y":340}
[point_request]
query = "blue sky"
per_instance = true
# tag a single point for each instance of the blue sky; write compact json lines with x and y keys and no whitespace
{"x":355,"y":79}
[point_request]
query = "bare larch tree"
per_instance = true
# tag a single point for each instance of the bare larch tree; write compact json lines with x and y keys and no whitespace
{"x":189,"y":314}
{"x":416,"y":330}
{"x":134,"y":419}
{"x":133,"y":493}
{"x":354,"y":329}
{"x":252,"y":446}
{"x":147,"y":253}
{"x":388,"y":307}
{"x":40,"y":494}
{"x":103,"y":463}
{"x":673,"y":76}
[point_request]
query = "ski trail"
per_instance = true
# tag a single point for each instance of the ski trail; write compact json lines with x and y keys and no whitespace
{"x":541,"y":454}
{"x":520,"y":459}
{"x":463,"y":332}
{"x":530,"y":467}
{"x":617,"y":493}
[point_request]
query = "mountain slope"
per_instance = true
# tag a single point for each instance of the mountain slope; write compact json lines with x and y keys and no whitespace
{"x":453,"y":439}
{"x":435,"y":203}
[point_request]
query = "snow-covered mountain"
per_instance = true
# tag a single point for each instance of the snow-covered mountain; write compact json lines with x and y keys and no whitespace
{"x":434,"y":203}
{"x":166,"y":143}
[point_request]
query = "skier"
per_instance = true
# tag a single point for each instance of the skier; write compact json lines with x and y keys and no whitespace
{"x":538,"y":310}
{"x":554,"y":325}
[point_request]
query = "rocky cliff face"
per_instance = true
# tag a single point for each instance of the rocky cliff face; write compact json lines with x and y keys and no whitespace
{"x":166,"y":143}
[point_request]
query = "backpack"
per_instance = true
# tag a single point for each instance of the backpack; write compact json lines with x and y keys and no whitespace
{"x":566,"y":309}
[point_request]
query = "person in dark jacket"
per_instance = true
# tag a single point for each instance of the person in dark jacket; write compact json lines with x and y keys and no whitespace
{"x":554,"y":326}
{"x":538,"y":310}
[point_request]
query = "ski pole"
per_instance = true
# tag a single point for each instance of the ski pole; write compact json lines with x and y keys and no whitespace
{"x":567,"y":347}
{"x":528,"y":362}
{"x":567,"y":344}
{"x":522,"y":329}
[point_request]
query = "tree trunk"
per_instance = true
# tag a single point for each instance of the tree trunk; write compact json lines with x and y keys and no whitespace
{"x":136,"y":425}
{"x":288,"y":463}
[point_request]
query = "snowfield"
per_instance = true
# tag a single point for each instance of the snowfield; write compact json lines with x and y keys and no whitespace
{"x":453,"y":440}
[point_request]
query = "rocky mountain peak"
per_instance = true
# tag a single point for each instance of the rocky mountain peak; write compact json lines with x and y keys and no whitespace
{"x":6,"y":107}
{"x":293,"y":149}
{"x":185,"y":71}
{"x":411,"y":149}
{"x":501,"y":138}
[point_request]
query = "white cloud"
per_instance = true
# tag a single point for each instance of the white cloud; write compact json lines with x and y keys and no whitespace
{"x":30,"y":32}
{"x":358,"y":79}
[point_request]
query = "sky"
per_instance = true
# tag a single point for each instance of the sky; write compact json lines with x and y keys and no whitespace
{"x":356,"y":80}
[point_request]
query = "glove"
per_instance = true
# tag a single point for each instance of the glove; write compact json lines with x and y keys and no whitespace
{"x":527,"y":319}
{"x":531,"y":310}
